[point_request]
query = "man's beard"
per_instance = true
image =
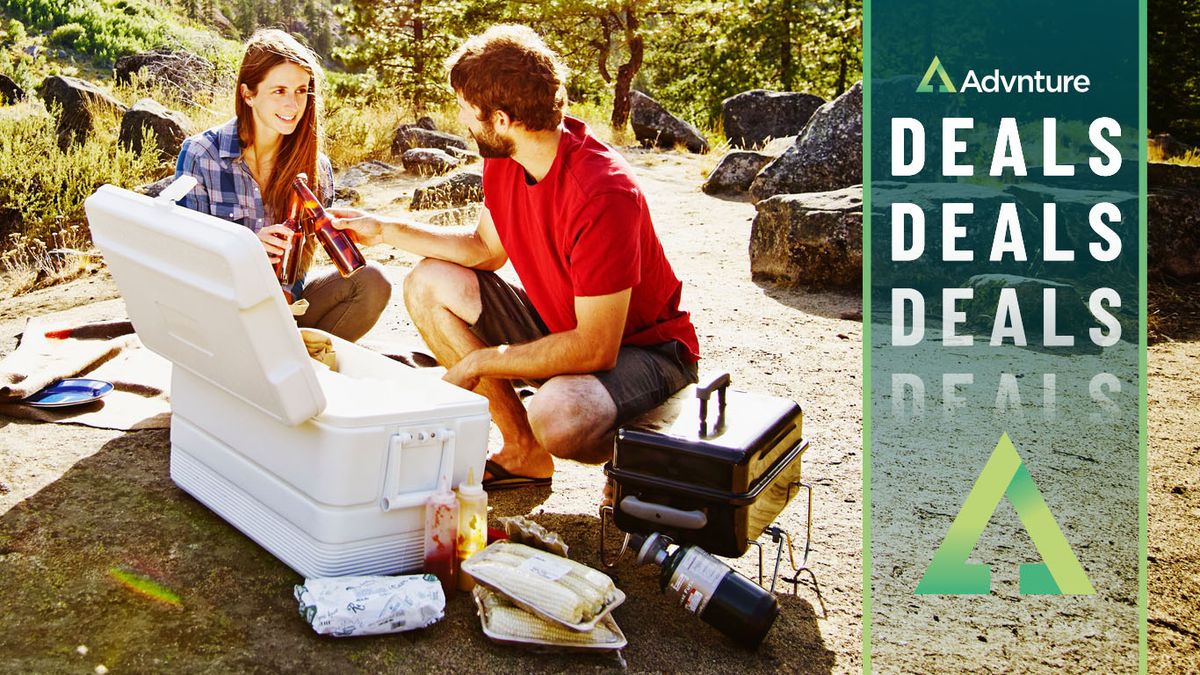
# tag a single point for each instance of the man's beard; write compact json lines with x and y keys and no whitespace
{"x":492,"y":145}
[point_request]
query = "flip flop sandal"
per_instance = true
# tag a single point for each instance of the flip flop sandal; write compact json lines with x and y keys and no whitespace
{"x":503,"y":479}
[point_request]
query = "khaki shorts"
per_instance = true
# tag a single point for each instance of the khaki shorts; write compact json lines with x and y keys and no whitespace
{"x":643,"y":377}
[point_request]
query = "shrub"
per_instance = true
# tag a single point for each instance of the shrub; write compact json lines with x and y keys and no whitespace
{"x":66,"y":35}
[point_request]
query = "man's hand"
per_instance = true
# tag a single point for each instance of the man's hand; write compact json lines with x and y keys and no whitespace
{"x":364,"y":227}
{"x":464,"y":373}
{"x":275,"y":239}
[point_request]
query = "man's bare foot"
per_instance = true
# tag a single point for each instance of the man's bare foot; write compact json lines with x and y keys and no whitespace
{"x":519,"y":462}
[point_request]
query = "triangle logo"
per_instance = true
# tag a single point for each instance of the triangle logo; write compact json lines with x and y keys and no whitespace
{"x":926,"y":85}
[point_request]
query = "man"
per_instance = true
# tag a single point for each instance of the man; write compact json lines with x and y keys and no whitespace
{"x":597,"y":326}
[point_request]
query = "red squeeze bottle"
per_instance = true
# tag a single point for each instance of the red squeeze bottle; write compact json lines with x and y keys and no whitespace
{"x":441,"y":537}
{"x":288,"y":267}
{"x":338,"y":244}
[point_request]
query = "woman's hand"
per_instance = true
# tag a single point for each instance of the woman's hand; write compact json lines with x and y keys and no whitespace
{"x":366,"y":230}
{"x":275,"y":239}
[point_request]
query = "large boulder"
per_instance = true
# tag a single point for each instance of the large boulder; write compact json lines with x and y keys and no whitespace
{"x":453,"y":191}
{"x":735,"y":172}
{"x":409,"y":136}
{"x":827,"y":154}
{"x":362,"y":173}
{"x":10,"y":91}
{"x":78,"y":102}
{"x":155,"y":189}
{"x":654,"y":126}
{"x":191,"y":78}
{"x":428,"y":161}
{"x":812,"y":239}
{"x":1173,"y":221}
{"x":167,"y":128}
{"x":756,"y":116}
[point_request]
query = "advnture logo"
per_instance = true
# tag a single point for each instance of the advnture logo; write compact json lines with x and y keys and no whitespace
{"x":996,"y":82}
{"x":1004,"y":475}
{"x":926,"y":87}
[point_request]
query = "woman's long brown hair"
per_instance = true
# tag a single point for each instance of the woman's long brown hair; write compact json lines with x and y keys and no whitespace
{"x":298,"y":150}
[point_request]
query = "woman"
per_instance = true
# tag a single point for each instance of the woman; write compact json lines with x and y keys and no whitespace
{"x":244,"y":169}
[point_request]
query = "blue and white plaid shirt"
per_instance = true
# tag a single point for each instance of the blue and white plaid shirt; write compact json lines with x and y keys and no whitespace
{"x":224,"y":186}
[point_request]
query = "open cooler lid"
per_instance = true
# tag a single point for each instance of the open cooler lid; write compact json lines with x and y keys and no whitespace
{"x":200,"y":293}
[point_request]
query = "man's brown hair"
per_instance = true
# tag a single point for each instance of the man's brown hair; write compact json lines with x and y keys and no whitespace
{"x":509,"y":68}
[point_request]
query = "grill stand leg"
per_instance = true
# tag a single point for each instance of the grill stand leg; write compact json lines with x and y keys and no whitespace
{"x":779,"y":536}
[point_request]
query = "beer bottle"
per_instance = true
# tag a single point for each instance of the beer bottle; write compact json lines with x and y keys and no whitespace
{"x":288,"y":266}
{"x":337,"y":244}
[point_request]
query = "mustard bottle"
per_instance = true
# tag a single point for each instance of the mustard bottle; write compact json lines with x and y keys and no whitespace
{"x":472,"y":524}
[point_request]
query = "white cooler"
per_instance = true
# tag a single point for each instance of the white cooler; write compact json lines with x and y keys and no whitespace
{"x":328,"y":471}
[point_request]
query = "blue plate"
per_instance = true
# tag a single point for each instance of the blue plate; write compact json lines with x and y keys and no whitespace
{"x":71,"y":391}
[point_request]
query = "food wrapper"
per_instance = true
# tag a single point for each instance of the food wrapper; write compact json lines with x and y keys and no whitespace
{"x":524,"y":531}
{"x":319,"y":347}
{"x":350,"y":606}
{"x":299,"y":307}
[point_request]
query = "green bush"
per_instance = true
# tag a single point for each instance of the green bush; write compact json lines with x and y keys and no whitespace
{"x":66,"y":35}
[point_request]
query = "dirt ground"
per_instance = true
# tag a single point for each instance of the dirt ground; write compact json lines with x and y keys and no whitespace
{"x":78,"y":503}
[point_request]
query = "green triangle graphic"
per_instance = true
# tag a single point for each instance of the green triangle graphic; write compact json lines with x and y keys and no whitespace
{"x":1004,"y":475}
{"x":926,"y":87}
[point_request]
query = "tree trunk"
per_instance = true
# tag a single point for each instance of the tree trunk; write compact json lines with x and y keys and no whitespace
{"x":418,"y":25}
{"x":845,"y":52}
{"x":629,"y":70}
{"x":787,"y":67}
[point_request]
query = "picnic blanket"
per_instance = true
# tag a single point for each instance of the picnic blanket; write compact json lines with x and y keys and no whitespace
{"x":107,"y":351}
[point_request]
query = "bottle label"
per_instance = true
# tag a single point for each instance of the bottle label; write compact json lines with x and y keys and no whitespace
{"x":696,"y":579}
{"x":546,"y":568}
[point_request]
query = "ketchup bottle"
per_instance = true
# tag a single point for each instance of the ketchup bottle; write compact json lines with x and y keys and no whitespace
{"x":338,"y":244}
{"x":288,"y":267}
{"x":441,"y":536}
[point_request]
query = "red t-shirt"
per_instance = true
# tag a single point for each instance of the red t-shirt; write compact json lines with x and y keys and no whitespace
{"x":585,"y":230}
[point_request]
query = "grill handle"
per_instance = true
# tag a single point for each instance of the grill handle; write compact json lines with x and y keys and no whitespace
{"x":664,"y":515}
{"x":717,"y":382}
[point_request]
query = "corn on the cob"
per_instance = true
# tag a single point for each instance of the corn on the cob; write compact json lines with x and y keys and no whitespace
{"x":505,"y":620}
{"x":553,"y":598}
{"x":564,"y":589}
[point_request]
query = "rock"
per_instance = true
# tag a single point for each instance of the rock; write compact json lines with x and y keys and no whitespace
{"x":78,"y":101}
{"x":654,"y":126}
{"x":189,"y":77}
{"x":813,"y":239}
{"x":1072,"y":316}
{"x":12,"y":221}
{"x":168,"y":128}
{"x":428,"y":161}
{"x":464,"y":215}
{"x":426,"y":122}
{"x":360,"y":174}
{"x":1173,"y":221}
{"x":756,"y":116}
{"x":1167,"y":145}
{"x":457,"y":190}
{"x":827,"y":155}
{"x":735,"y":172}
{"x":409,"y":136}
{"x":346,"y":196}
{"x":10,"y":91}
{"x":155,"y":189}
{"x":463,"y":156}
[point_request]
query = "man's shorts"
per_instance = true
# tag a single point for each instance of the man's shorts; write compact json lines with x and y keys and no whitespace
{"x":643,"y":377}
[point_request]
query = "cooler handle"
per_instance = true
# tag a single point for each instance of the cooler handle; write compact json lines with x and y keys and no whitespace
{"x":717,"y":382}
{"x":392,"y":498}
{"x":665,"y":515}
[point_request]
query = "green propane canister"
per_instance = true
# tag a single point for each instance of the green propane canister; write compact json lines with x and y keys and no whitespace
{"x":709,"y":588}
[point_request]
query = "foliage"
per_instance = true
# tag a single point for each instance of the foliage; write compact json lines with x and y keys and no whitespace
{"x":1173,"y":69}
{"x":49,"y":193}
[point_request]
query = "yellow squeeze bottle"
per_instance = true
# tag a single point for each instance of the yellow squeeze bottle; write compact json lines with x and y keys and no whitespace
{"x":472,"y":524}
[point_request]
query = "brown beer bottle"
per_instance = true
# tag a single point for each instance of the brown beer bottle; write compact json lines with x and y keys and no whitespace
{"x":288,"y":266}
{"x":338,"y":244}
